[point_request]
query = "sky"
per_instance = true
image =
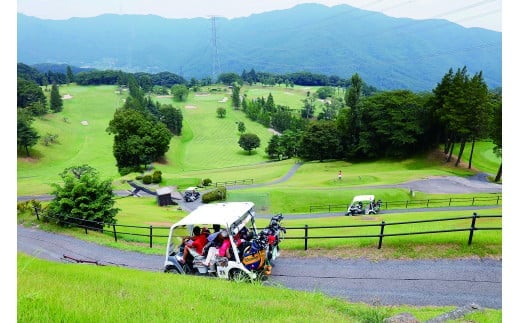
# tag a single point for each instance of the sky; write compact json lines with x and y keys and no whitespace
{"x":468,"y":13}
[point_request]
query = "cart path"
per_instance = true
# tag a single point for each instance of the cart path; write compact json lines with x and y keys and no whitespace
{"x":387,"y":282}
{"x":433,"y":185}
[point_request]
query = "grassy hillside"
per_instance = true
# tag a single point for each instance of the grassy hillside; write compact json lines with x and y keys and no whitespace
{"x":112,"y":294}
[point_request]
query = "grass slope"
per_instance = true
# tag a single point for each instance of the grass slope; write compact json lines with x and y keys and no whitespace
{"x":53,"y":292}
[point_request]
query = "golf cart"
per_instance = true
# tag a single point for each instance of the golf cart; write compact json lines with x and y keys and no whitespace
{"x":191,"y":194}
{"x":233,"y":217}
{"x":364,"y":204}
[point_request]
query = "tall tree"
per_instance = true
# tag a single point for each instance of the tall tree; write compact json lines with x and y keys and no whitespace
{"x":463,"y":107}
{"x":69,"y":75}
{"x":28,"y":93}
{"x":241,"y":127}
{"x":56,"y":100}
{"x":496,"y":128}
{"x":320,"y":141}
{"x":235,"y":96}
{"x":172,"y":118}
{"x":26,"y":135}
{"x":352,"y":98}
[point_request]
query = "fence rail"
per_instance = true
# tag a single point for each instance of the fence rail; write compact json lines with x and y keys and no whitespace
{"x":235,"y":182}
{"x":472,"y":228}
{"x":149,"y":230}
{"x":459,"y":201}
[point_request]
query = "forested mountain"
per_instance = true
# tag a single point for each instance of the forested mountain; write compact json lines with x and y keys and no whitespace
{"x":388,"y":53}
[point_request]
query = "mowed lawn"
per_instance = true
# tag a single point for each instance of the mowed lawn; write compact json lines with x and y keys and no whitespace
{"x":77,"y":143}
{"x":208,"y":148}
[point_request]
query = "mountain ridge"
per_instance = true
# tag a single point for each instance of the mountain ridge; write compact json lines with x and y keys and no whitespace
{"x":388,"y":53}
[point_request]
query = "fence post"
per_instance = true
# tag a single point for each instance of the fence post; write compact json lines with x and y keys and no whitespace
{"x":449,"y":203}
{"x":498,"y":198}
{"x":406,"y":206}
{"x":473,"y":220}
{"x":473,"y":202}
{"x":427,"y":202}
{"x":36,"y":211}
{"x":115,"y":234}
{"x":381,"y":234}
{"x":150,"y":236}
{"x":306,"y":234}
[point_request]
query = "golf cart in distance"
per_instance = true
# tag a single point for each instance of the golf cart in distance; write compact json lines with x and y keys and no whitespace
{"x":191,"y":194}
{"x":364,"y":204}
{"x":231,"y":216}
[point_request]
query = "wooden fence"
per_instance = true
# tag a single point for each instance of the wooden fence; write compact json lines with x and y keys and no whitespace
{"x":448,"y":202}
{"x":151,"y":231}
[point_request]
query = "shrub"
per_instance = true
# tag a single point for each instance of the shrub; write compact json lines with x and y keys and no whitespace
{"x":206,"y":182}
{"x":139,"y":177}
{"x":215,"y":195}
{"x":147,"y":179}
{"x":157,"y":177}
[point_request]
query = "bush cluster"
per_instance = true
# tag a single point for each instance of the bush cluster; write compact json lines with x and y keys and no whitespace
{"x":157,"y":177}
{"x":216,"y":195}
{"x":147,"y":179}
{"x":206,"y":182}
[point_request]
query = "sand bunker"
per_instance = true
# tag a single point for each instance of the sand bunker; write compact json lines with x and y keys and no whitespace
{"x":84,"y":122}
{"x":223,"y":100}
{"x":67,"y":96}
{"x":190,"y":107}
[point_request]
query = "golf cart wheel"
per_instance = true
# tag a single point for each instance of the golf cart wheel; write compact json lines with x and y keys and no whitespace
{"x":171,"y":270}
{"x":239,"y":276}
{"x":348,"y":213}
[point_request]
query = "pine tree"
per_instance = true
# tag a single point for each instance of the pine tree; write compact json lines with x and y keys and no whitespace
{"x":56,"y":101}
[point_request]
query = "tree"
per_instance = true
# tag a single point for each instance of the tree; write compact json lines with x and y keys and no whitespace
{"x":56,"y":101}
{"x":26,"y":135}
{"x":249,"y":141}
{"x":172,"y":118}
{"x":221,"y":112}
{"x":235,"y":96}
{"x":241,"y":127}
{"x":320,"y":141}
{"x":392,"y":124}
{"x":180,"y":92}
{"x":352,"y":99}
{"x":307,"y":112}
{"x":281,"y":120}
{"x":463,"y":107}
{"x":273,"y":147}
{"x":83,"y":196}
{"x":496,"y":128}
{"x":70,"y":75}
{"x":138,"y":140}
{"x":28,"y":93}
{"x":229,"y":78}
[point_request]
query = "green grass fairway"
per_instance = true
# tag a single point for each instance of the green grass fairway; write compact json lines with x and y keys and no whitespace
{"x":208,"y":148}
{"x":78,"y":144}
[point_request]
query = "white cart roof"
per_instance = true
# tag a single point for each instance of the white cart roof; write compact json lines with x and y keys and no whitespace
{"x":362,"y":198}
{"x":218,"y":213}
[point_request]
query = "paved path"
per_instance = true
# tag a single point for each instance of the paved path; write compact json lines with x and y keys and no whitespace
{"x":386,"y":282}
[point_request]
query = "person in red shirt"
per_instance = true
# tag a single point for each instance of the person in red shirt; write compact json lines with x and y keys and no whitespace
{"x":195,"y":244}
